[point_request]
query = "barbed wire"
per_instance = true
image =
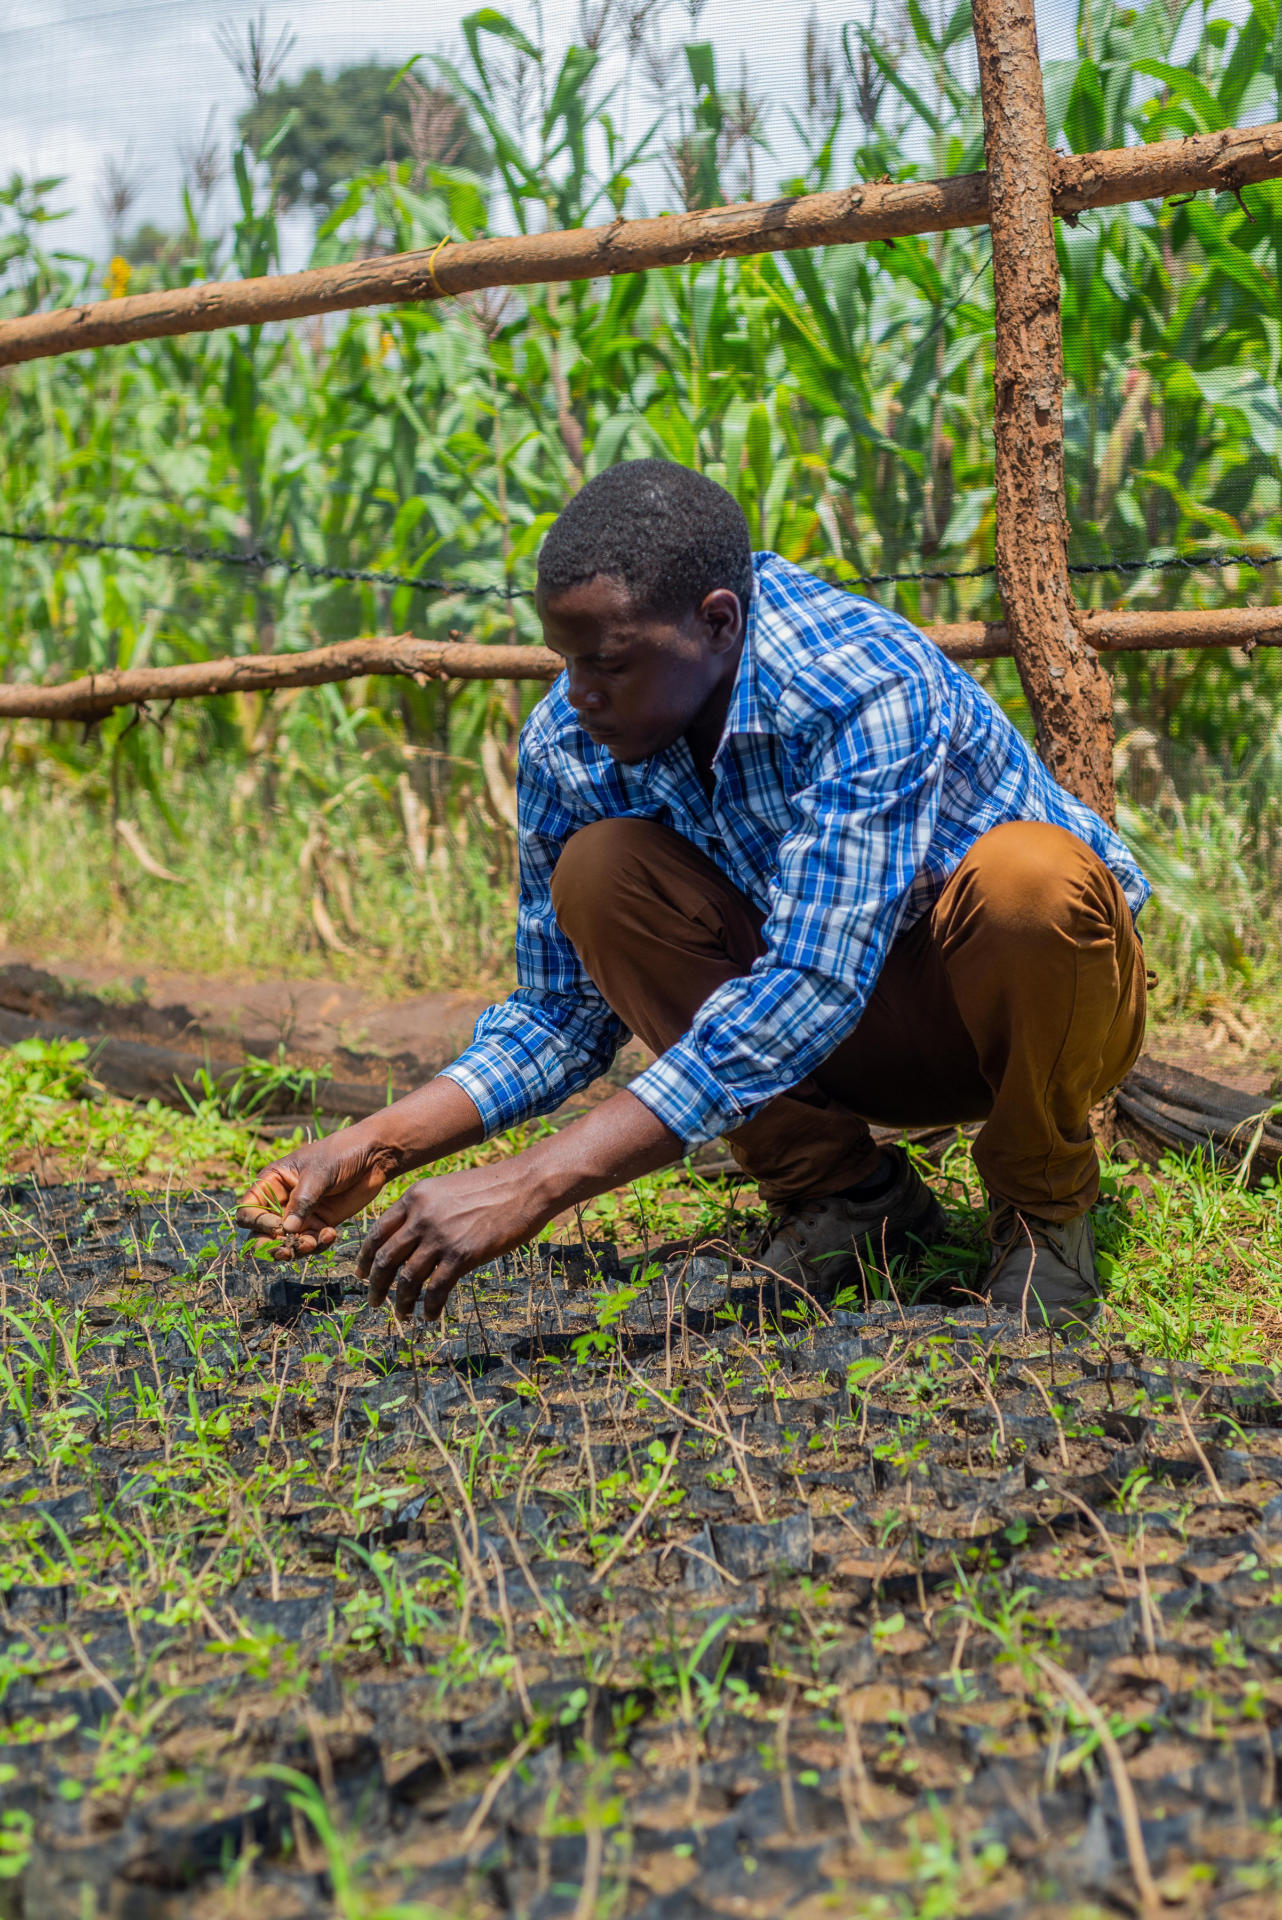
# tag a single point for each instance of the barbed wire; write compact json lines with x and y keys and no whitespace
{"x":1193,"y":562}
{"x":258,"y":562}
{"x":1149,"y":564}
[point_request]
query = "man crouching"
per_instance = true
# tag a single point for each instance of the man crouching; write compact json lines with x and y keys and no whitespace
{"x":775,"y":833}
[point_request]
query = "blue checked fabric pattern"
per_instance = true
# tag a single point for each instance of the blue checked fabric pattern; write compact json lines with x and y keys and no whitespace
{"x":857,"y":767}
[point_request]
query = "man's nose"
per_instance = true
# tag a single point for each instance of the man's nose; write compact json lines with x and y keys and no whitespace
{"x":584,"y":699}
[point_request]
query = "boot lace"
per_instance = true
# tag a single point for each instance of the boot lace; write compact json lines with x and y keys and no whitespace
{"x":1006,"y":1226}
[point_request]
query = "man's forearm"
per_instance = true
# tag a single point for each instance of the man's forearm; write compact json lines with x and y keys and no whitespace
{"x":448,"y":1226}
{"x":617,"y":1142}
{"x":427,"y":1125}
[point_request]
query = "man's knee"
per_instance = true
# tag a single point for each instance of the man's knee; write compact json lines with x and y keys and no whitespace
{"x":595,"y":865}
{"x":1028,"y":880}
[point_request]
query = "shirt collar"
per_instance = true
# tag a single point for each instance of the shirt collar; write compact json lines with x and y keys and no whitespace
{"x":744,"y":712}
{"x":671,"y":773}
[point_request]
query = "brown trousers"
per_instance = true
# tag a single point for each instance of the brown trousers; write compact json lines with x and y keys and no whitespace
{"x":1017,"y":1000}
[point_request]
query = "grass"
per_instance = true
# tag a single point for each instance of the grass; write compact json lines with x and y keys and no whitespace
{"x":401,"y":911}
{"x":331,"y":886}
{"x":57,"y":1123}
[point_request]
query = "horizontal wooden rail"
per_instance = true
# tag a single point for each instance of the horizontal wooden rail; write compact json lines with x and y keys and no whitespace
{"x":98,"y":693}
{"x":1107,"y":632}
{"x":94,"y":696}
{"x":1224,"y":161}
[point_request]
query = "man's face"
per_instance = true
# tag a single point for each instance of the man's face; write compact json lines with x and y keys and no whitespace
{"x":638,"y":681}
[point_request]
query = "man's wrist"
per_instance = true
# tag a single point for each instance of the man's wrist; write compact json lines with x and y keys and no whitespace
{"x":550,"y":1176}
{"x":613,"y":1144}
{"x":382,"y":1145}
{"x":435,"y":1120}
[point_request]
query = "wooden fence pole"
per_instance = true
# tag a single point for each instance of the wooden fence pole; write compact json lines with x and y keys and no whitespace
{"x":1069,"y":693}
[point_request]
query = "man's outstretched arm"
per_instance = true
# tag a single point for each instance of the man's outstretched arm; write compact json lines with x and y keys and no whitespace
{"x":446,"y":1227}
{"x":307,"y":1193}
{"x":537,"y":1048}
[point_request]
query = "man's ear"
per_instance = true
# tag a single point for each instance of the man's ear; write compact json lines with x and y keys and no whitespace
{"x":722,"y":616}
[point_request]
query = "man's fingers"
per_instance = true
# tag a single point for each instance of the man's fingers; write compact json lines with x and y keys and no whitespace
{"x":311,"y":1189}
{"x":271,"y":1187}
{"x":383,"y":1228}
{"x":313,"y":1237}
{"x":271,"y":1192}
{"x":435,"y":1295}
{"x":422,"y":1267}
{"x":270,"y":1208}
{"x":260,"y":1220}
{"x":385,"y":1263}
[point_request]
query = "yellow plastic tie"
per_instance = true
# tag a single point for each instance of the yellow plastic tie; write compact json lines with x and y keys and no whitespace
{"x":437,"y":289}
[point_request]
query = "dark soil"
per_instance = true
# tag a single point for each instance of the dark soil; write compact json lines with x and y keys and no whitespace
{"x":671,"y":1606}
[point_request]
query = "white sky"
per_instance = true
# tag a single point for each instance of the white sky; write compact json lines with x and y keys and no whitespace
{"x":84,"y":79}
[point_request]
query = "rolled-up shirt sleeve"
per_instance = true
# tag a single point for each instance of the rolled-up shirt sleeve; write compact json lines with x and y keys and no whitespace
{"x":867,"y":768}
{"x":555,"y":1033}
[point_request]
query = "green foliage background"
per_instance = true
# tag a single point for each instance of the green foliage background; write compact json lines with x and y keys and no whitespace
{"x":844,"y":396}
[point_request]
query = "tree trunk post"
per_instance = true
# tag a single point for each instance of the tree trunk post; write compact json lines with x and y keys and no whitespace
{"x":1068,"y":691}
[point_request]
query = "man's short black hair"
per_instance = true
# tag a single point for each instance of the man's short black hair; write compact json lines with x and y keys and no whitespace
{"x":669,"y":534}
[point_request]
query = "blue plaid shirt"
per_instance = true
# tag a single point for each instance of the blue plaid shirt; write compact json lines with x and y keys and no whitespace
{"x":857,"y":767}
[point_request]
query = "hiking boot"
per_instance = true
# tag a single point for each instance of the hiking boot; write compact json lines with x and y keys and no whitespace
{"x":1042,"y":1269}
{"x":824,"y":1245}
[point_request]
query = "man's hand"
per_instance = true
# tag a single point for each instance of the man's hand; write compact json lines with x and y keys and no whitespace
{"x":445,"y":1228}
{"x":314,"y":1189}
{"x":309,"y":1192}
{"x":439,"y":1230}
